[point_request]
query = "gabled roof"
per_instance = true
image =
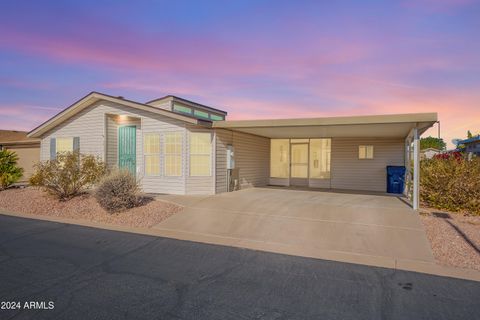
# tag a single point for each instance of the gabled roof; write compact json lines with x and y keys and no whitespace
{"x":15,"y":137}
{"x":94,"y":97}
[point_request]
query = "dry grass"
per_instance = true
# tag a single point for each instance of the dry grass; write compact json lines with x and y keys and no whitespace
{"x":454,"y":238}
{"x":84,"y":207}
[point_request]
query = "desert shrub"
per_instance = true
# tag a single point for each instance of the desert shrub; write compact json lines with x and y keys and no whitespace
{"x":68,"y":175}
{"x":451,"y":183}
{"x":118,"y":191}
{"x":9,"y":171}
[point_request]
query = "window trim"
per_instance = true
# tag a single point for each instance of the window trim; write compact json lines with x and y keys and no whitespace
{"x":328,"y":158}
{"x":366,"y":152}
{"x":175,"y":154}
{"x":201,"y":114}
{"x":178,"y":106}
{"x":150,"y":154}
{"x":220,"y":118}
{"x":287,"y":152}
{"x":63,"y":138}
{"x":210,"y":154}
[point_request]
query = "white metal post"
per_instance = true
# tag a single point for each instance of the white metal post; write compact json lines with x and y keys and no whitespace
{"x":416,"y":170}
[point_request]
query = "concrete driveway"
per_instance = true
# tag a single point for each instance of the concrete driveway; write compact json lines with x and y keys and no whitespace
{"x":369,"y":229}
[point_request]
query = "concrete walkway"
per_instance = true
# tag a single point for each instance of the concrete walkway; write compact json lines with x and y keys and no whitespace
{"x":358,"y":228}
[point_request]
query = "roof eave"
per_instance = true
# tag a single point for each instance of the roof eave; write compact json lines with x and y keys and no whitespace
{"x":331,"y":121}
{"x":94,"y":97}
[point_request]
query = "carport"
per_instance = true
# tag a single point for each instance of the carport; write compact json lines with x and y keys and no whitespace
{"x":341,"y":152}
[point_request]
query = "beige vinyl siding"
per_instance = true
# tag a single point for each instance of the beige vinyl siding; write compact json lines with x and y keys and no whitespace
{"x":94,"y":131}
{"x":350,"y":172}
{"x":200,"y":185}
{"x":112,"y":136}
{"x":165,"y":105}
{"x":319,"y":183}
{"x":223,"y":138}
{"x":252,"y":159}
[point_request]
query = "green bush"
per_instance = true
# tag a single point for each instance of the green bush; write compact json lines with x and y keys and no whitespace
{"x":451,"y":183}
{"x":68,"y":175}
{"x":9,"y":171}
{"x":118,"y":191}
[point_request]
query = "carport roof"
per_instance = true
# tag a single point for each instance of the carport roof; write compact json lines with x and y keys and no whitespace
{"x":373,"y":126}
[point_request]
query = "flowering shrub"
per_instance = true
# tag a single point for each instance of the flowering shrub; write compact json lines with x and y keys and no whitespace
{"x":451,"y":182}
{"x":448,"y":155}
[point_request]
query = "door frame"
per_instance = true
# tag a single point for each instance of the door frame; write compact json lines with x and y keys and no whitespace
{"x":299,"y":182}
{"x":118,"y":145}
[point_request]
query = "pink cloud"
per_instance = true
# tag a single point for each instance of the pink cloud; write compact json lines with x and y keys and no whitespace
{"x":24,"y":117}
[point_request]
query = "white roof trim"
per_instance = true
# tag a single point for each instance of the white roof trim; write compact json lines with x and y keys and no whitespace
{"x":93,"y":97}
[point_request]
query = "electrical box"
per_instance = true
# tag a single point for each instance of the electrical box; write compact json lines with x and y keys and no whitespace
{"x":230,"y":157}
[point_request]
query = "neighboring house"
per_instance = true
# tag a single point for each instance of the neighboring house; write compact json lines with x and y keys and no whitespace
{"x":27,"y":149}
{"x":178,"y":146}
{"x":429,"y":153}
{"x":472,"y":145}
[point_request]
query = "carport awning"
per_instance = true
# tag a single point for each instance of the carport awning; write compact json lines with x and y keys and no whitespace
{"x":386,"y":126}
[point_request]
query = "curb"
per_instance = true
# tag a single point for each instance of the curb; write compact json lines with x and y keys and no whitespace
{"x":339,"y":256}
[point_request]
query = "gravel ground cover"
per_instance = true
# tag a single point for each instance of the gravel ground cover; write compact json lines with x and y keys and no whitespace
{"x":84,"y":207}
{"x":454,"y":238}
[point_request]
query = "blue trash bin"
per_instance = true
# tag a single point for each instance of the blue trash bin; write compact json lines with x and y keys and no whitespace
{"x":395,"y":179}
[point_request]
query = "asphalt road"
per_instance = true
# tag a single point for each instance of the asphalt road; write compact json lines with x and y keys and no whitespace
{"x":96,"y":274}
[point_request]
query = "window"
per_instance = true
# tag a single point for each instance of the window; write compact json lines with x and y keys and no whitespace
{"x":279,"y":158}
{"x":173,"y":154}
{"x":200,"y":153}
{"x":64,"y":145}
{"x":182,"y":108}
{"x":151,"y":151}
{"x":215,"y":117}
{"x":200,"y":114}
{"x":365,"y":152}
{"x":320,"y":151}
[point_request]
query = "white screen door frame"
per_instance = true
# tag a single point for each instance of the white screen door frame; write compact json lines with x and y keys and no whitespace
{"x":299,"y":163}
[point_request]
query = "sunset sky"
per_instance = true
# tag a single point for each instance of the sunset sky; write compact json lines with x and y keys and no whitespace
{"x":254,"y":59}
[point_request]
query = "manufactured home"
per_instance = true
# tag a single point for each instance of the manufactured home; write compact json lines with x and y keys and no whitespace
{"x":177,"y":146}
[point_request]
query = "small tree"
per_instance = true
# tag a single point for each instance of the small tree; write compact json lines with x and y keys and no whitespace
{"x":68,"y":175}
{"x":432,"y":142}
{"x":9,"y":171}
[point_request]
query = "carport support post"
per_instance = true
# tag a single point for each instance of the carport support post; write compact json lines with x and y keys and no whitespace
{"x":416,"y":170}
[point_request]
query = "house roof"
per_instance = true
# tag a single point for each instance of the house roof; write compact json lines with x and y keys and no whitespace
{"x":9,"y":137}
{"x":470,"y":140}
{"x":388,"y":126}
{"x":188,"y":102}
{"x":93,"y":97}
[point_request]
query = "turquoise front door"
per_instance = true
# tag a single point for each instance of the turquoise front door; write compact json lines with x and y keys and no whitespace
{"x":127,"y":148}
